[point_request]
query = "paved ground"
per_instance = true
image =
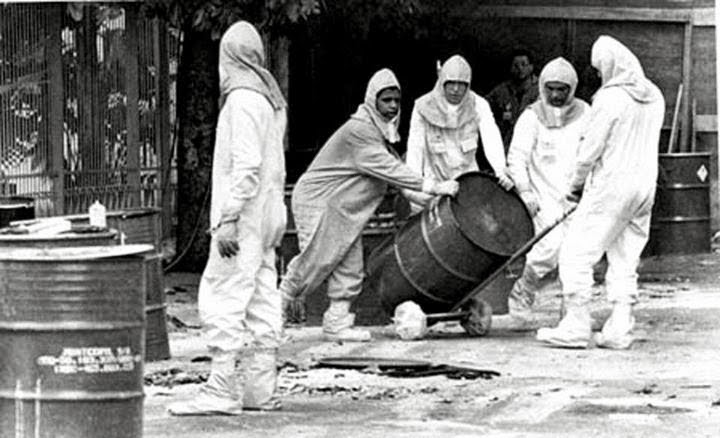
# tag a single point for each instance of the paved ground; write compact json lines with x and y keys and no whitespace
{"x":667,"y":385}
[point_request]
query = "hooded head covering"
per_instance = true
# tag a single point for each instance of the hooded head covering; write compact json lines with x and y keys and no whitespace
{"x":619,"y":67}
{"x":367,"y":110}
{"x":242,"y":65}
{"x":558,"y":70}
{"x":435,"y":108}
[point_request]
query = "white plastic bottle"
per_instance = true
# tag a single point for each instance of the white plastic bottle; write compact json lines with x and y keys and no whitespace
{"x":97,"y":215}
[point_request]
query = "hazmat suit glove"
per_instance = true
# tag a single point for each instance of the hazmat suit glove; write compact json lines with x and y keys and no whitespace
{"x":417,"y":198}
{"x":293,"y":309}
{"x":531,"y":202}
{"x":226,"y":238}
{"x":505,"y":181}
{"x":449,"y":187}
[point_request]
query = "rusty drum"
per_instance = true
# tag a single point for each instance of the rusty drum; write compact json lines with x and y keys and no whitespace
{"x":71,"y":337}
{"x":438,"y":256}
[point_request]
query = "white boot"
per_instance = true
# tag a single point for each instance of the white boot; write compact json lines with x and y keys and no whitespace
{"x":617,"y":331}
{"x":338,"y":324}
{"x":520,"y":301}
{"x":219,"y":395}
{"x":261,"y":381}
{"x":573,"y":331}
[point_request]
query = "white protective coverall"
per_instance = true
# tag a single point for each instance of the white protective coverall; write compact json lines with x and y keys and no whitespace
{"x":443,"y":138}
{"x":239,"y":303}
{"x":618,"y":158}
{"x":541,"y":160}
{"x":333,"y":201}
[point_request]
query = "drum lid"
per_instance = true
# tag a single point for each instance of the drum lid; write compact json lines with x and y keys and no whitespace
{"x":492,"y":218}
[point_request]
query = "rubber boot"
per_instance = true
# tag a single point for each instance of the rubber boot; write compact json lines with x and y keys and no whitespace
{"x":617,"y":331}
{"x":520,"y":301}
{"x":260,"y":377}
{"x":219,"y":395}
{"x":338,"y":324}
{"x":573,"y":331}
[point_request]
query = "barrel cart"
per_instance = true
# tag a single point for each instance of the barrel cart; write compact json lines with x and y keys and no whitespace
{"x":449,"y":258}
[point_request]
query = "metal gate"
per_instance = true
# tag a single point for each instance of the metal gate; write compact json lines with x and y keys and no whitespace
{"x":85,"y":98}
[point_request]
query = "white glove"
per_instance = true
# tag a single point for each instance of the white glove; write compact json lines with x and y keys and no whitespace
{"x":505,"y":181}
{"x":449,"y":187}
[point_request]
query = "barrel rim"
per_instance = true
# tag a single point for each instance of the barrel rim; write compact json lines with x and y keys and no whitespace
{"x":685,"y":154}
{"x":16,"y":201}
{"x":31,"y":237}
{"x":74,"y":253}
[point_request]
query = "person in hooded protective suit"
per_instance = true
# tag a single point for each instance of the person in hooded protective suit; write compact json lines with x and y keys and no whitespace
{"x":540,"y":162}
{"x":618,"y":158}
{"x":238,"y":300}
{"x":445,"y":126}
{"x":335,"y":198}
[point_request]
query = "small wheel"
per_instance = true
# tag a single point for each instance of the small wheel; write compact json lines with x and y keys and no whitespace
{"x":478,"y":322}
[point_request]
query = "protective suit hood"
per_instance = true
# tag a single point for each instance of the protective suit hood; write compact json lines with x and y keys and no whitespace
{"x":242,"y":65}
{"x":367,"y":110}
{"x":619,"y":67}
{"x":558,"y":70}
{"x":436,"y":109}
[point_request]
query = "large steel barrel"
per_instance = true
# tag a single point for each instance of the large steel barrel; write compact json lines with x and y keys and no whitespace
{"x":681,"y":215}
{"x":140,"y":226}
{"x":13,"y":208}
{"x":440,"y":255}
{"x":71,"y":341}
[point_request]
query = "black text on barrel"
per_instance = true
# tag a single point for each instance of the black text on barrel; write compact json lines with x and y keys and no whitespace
{"x":71,"y":339}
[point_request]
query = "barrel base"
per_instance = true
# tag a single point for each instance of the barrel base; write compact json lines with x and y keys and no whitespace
{"x":59,"y":419}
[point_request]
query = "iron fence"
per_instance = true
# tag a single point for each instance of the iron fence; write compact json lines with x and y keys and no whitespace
{"x":85,"y":107}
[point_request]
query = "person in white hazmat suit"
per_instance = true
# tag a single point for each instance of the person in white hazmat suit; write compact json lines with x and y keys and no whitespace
{"x":238,"y":300}
{"x":335,"y":198}
{"x":540,"y":162}
{"x":445,"y":126}
{"x":618,"y":158}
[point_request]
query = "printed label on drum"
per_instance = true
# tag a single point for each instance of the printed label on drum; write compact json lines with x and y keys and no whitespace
{"x":91,"y":360}
{"x":702,"y":173}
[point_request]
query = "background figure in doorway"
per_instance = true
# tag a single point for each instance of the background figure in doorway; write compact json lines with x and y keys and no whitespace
{"x":511,"y":97}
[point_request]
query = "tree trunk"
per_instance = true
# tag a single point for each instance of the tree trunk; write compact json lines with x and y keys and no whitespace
{"x":197,"y":110}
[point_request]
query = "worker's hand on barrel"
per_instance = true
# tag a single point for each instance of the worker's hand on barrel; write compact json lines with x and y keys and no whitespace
{"x":226,"y":237}
{"x":449,"y":187}
{"x":418,"y":198}
{"x":293,"y":309}
{"x":530,"y":201}
{"x":505,"y":181}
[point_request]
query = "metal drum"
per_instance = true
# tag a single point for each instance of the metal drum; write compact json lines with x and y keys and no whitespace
{"x":136,"y":225}
{"x":69,"y":239}
{"x":157,"y":346}
{"x":438,"y":256}
{"x":681,"y":215}
{"x":14,"y":208}
{"x":157,"y":343}
{"x":71,"y":340}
